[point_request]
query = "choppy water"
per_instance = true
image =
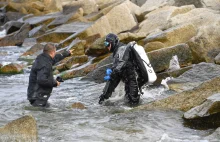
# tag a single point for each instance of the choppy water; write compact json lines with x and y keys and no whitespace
{"x":110,"y":122}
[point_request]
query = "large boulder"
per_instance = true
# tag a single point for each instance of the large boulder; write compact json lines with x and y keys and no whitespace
{"x":12,"y":26}
{"x":32,"y":53}
{"x":160,"y":59}
{"x":104,"y":7}
{"x":71,"y":61}
{"x":69,"y":13}
{"x":188,"y":99}
{"x":35,"y":7}
{"x":172,"y":36}
{"x":139,"y":2}
{"x":194,"y":77}
{"x":37,"y":31}
{"x":39,"y":20}
{"x":128,"y":37}
{"x":97,"y":48}
{"x":159,"y":18}
{"x":88,"y":6}
{"x":77,"y":72}
{"x":22,"y":129}
{"x":14,"y":16}
{"x":197,"y":16}
{"x":16,"y":38}
{"x":151,"y":5}
{"x":63,"y":34}
{"x":209,"y":107}
{"x":12,"y":68}
{"x":170,"y":75}
{"x":111,"y":23}
{"x":52,"y":5}
{"x":205,"y":46}
{"x":213,"y":4}
{"x":98,"y":73}
{"x":206,"y":114}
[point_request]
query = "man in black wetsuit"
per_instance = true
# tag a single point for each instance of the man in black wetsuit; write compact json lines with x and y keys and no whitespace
{"x":41,"y":81}
{"x":124,"y":69}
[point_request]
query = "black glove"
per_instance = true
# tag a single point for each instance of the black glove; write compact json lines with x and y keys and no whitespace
{"x":66,"y":53}
{"x":59,"y":79}
{"x":101,"y":99}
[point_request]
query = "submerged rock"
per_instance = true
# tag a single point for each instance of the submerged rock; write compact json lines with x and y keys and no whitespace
{"x":22,"y":129}
{"x":78,"y":105}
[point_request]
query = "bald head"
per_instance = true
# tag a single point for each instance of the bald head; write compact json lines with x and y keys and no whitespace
{"x":50,"y":49}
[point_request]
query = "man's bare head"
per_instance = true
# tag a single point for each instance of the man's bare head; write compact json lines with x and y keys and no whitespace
{"x":50,"y":49}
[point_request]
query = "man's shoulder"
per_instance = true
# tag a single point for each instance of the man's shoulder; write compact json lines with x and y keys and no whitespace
{"x":42,"y":61}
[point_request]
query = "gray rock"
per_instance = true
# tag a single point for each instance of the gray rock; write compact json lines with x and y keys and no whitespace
{"x":209,"y":107}
{"x":98,"y":74}
{"x":12,"y":26}
{"x":16,"y":38}
{"x":3,"y":19}
{"x":194,"y":77}
{"x":39,"y":30}
{"x":160,"y":59}
{"x":186,"y":100}
{"x":217,"y":59}
{"x":138,"y":2}
{"x":14,"y":16}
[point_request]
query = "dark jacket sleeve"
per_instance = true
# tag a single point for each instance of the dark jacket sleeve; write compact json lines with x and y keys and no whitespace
{"x":43,"y":78}
{"x":61,"y":56}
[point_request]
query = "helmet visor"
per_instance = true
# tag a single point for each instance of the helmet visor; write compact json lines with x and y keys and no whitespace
{"x":106,"y":44}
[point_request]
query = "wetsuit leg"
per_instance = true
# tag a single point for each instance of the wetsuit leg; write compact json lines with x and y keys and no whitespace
{"x":131,"y":87}
{"x":110,"y":87}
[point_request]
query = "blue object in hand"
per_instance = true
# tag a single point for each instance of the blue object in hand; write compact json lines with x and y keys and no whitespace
{"x":108,"y":72}
{"x":106,"y":78}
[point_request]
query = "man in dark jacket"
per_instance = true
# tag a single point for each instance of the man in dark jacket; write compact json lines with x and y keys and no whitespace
{"x":123,"y":69}
{"x":41,"y":81}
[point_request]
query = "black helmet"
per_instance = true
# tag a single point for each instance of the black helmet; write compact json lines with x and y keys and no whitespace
{"x":111,"y":39}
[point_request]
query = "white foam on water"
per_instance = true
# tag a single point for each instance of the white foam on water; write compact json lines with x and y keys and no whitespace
{"x":164,"y":82}
{"x":4,"y":63}
{"x":152,"y":93}
{"x":166,"y":138}
{"x":119,"y":93}
{"x":2,"y":33}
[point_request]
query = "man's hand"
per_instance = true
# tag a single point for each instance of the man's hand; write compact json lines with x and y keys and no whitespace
{"x":58,"y":83}
{"x":71,"y":51}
